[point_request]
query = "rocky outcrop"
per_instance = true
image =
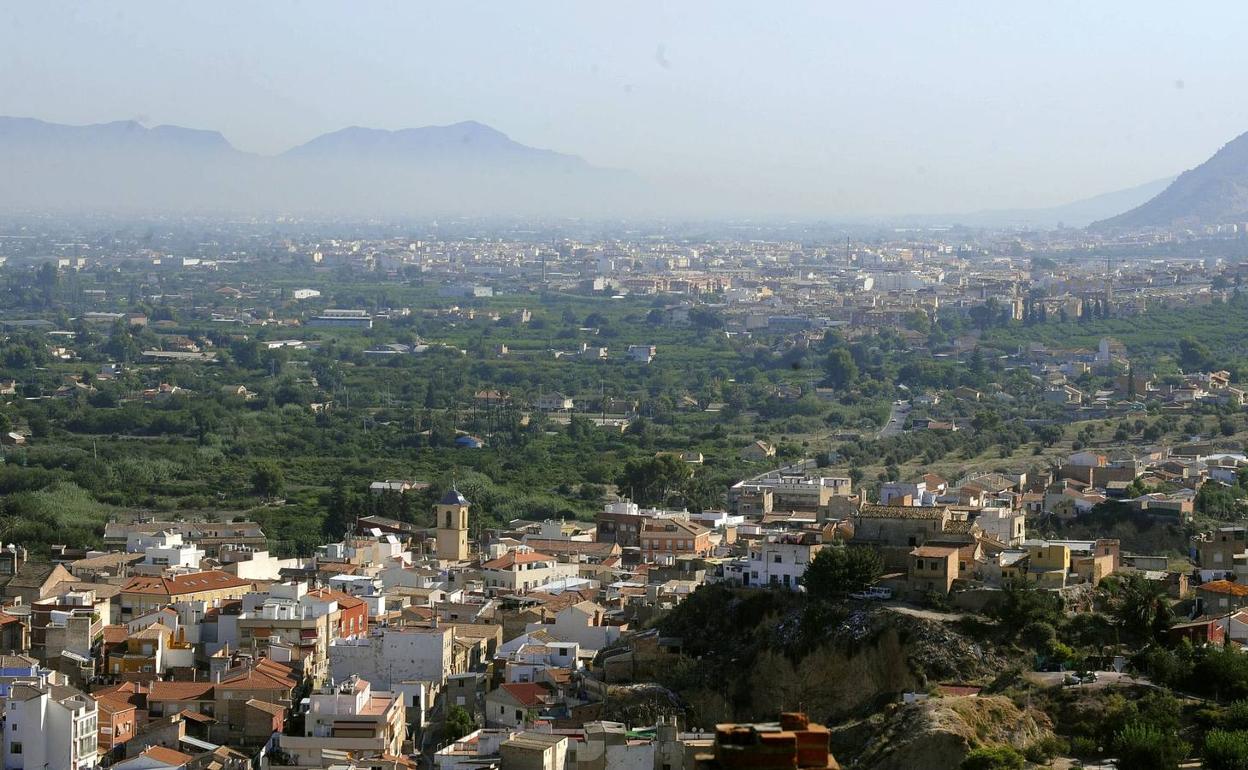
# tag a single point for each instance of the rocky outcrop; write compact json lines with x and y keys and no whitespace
{"x":868,"y":663}
{"x":937,"y":733}
{"x":836,"y":667}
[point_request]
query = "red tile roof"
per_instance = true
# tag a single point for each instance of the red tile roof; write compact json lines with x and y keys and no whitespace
{"x":512,"y":558}
{"x":132,"y":693}
{"x":345,"y":601}
{"x":195,"y":582}
{"x":167,"y":756}
{"x":527,"y":693}
{"x":264,"y":675}
{"x":180,"y":691}
{"x":1224,"y":587}
{"x":116,"y":634}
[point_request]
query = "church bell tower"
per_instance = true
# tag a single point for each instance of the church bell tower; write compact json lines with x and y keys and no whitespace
{"x":451,"y":513}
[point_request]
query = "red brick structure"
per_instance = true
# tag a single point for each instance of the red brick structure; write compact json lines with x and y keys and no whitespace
{"x":792,"y":744}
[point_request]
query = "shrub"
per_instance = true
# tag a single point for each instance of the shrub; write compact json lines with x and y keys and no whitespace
{"x":1143,"y":746}
{"x":1045,"y":749}
{"x":1083,"y":746}
{"x":1226,"y":750}
{"x":993,"y":758}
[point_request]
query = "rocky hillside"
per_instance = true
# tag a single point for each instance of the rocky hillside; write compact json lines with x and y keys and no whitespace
{"x":1215,"y":192}
{"x":936,"y":734}
{"x":751,"y":654}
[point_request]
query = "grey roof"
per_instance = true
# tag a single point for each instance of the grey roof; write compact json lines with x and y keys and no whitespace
{"x":453,"y":497}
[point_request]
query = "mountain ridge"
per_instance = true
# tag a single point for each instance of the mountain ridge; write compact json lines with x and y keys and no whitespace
{"x":1214,"y":192}
{"x":466,"y":167}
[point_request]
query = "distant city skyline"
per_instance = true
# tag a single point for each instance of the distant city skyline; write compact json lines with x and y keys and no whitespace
{"x":810,"y":109}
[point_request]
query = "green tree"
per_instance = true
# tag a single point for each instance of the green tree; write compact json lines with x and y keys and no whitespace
{"x":1194,"y":355}
{"x":47,"y":279}
{"x":458,"y":724}
{"x":837,"y":571}
{"x":342,"y":507}
{"x":841,"y":369}
{"x":1144,"y":746}
{"x":267,"y":478}
{"x":1022,"y":604}
{"x":1140,"y":606}
{"x":649,"y":480}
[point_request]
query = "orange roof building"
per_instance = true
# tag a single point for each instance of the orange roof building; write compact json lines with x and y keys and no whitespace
{"x":143,"y":594}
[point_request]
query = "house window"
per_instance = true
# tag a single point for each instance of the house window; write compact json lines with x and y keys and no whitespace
{"x":519,"y":715}
{"x":16,"y":748}
{"x":777,"y":558}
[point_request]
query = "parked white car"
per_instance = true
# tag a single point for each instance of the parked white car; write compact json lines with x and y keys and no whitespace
{"x":875,"y":593}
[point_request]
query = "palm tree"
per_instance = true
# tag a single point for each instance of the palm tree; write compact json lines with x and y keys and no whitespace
{"x":1140,"y":606}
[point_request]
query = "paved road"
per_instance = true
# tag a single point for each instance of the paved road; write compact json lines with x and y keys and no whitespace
{"x":896,"y":419}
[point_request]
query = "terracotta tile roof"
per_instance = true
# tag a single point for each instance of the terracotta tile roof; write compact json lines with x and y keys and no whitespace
{"x":902,"y":512}
{"x":513,"y":558}
{"x":600,"y":550}
{"x":345,"y":601}
{"x":33,"y":575}
{"x":933,"y":551}
{"x":418,"y":613}
{"x":958,"y":527}
{"x":557,"y":602}
{"x":133,"y":693}
{"x":1224,"y":587}
{"x":275,"y":709}
{"x":167,"y":756}
{"x":527,"y":694}
{"x":180,"y":691}
{"x":265,"y":674}
{"x":337,"y":568}
{"x":195,"y":582}
{"x":105,"y":561}
{"x":666,"y":525}
{"x":111,"y":705}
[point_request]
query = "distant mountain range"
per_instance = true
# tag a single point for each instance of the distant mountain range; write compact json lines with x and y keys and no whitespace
{"x":464,"y":168}
{"x":1215,"y":192}
{"x":1076,"y":214}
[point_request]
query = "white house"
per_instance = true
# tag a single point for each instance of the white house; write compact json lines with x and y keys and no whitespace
{"x":583,"y":623}
{"x":553,"y":402}
{"x":523,"y":569}
{"x":531,"y":661}
{"x":781,"y":560}
{"x":168,"y":550}
{"x":1008,"y":526}
{"x":389,"y":656}
{"x":49,"y":726}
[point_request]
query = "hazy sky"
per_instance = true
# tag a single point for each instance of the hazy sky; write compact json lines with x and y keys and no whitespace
{"x":821,"y":107}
